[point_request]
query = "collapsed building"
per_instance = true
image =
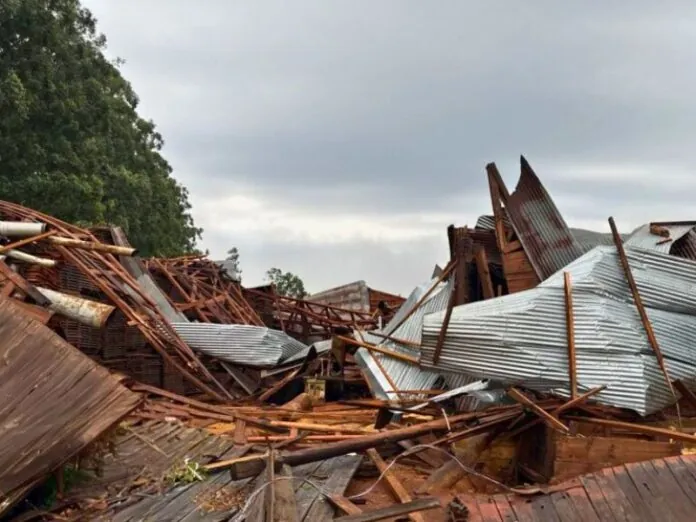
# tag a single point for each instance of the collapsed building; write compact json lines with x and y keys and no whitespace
{"x":539,"y":354}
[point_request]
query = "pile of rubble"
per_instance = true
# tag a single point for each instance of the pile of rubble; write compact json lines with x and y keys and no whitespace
{"x":545,"y":373}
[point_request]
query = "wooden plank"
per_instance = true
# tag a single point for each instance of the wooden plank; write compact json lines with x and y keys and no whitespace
{"x":484,"y":272}
{"x":662,"y":481}
{"x":683,"y":477}
{"x":285,"y":505}
{"x":23,"y":285}
{"x":340,"y":469}
{"x":685,"y":392}
{"x":488,"y":509}
{"x":445,"y":325}
{"x":582,"y":504}
{"x":397,"y":510}
{"x":548,"y":419}
{"x":522,"y":508}
{"x":639,"y":304}
{"x":344,"y":504}
{"x":269,"y":493}
{"x":544,"y":509}
{"x":507,"y":513}
{"x":395,"y":485}
{"x":240,"y":437}
{"x":642,"y":506}
{"x":650,"y":492}
{"x":341,"y":475}
{"x":570,"y":334}
{"x":620,"y":505}
{"x":576,"y":456}
{"x":638,"y":428}
{"x":596,"y":497}
{"x":565,"y":508}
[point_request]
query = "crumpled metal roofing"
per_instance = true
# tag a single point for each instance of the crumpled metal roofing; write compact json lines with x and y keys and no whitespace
{"x":521,"y":338}
{"x":587,"y":239}
{"x":642,"y":238}
{"x":405,"y":376}
{"x":242,"y":344}
{"x":539,"y":225}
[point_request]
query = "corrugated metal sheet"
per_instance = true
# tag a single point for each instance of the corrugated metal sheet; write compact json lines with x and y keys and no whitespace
{"x":404,"y":375}
{"x":55,"y":401}
{"x":242,"y":344}
{"x":686,"y":246}
{"x":587,"y":239}
{"x":539,"y":225}
{"x":353,"y":296}
{"x":521,"y":338}
{"x":642,"y":238}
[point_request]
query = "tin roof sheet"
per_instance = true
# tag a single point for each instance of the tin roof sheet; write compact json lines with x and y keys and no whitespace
{"x":55,"y":401}
{"x":539,"y":225}
{"x":404,"y":375}
{"x":521,"y":338}
{"x":242,"y":344}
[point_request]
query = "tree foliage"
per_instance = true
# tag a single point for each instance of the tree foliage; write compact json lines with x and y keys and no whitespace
{"x":71,"y":141}
{"x":286,"y":283}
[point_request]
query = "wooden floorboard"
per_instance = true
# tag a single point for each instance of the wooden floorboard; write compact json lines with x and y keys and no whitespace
{"x":658,"y":490}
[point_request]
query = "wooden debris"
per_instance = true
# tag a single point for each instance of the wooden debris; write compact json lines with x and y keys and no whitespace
{"x":395,"y":485}
{"x":397,"y":510}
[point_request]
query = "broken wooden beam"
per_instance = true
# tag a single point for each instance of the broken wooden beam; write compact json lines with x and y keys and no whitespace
{"x":548,"y":419}
{"x":639,"y":304}
{"x":570,"y":334}
{"x":397,"y":510}
{"x":395,"y":486}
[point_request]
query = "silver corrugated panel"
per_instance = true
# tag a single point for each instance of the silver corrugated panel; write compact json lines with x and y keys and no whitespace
{"x":642,"y":238}
{"x":539,"y":225}
{"x":589,"y":239}
{"x":521,"y":338}
{"x":404,"y":375}
{"x":242,"y":344}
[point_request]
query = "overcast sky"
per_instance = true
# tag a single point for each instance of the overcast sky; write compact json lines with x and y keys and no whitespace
{"x":338,"y":139}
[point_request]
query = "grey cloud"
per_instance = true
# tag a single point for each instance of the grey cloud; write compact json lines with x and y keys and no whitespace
{"x":396,"y":106}
{"x":322,"y":267}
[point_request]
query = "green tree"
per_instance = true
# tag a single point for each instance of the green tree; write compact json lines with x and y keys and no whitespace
{"x":286,"y":283}
{"x":71,"y":142}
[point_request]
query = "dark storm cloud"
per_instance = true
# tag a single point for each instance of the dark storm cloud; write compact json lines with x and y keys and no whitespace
{"x":392,"y":107}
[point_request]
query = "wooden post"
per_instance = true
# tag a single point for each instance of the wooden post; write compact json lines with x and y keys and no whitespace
{"x":570,"y":333}
{"x":639,"y":305}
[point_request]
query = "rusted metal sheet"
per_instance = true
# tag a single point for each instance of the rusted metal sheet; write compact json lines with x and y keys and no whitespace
{"x":55,"y":401}
{"x":539,"y":225}
{"x":87,"y":267}
{"x":660,"y":489}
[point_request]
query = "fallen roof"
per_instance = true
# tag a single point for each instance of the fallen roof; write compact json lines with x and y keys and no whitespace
{"x":153,"y":451}
{"x":56,"y":401}
{"x":406,"y":325}
{"x":539,"y":225}
{"x":242,"y":344}
{"x":661,"y":489}
{"x":521,"y":338}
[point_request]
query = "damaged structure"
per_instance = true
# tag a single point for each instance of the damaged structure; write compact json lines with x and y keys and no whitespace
{"x":540,"y":354}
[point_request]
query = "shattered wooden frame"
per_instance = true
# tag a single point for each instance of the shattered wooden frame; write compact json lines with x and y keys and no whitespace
{"x":305,"y":319}
{"x":519,"y":273}
{"x":105,"y":272}
{"x":199,"y":288}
